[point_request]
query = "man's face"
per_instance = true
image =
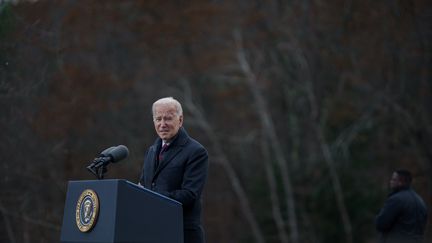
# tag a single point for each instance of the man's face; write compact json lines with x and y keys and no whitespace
{"x":166,"y":121}
{"x":395,"y":181}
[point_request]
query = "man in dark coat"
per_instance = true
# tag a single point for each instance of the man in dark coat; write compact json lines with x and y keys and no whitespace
{"x":404,"y":215}
{"x":176,"y":166}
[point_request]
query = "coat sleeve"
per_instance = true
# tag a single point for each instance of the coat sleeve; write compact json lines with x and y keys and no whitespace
{"x":388,"y":214}
{"x":142,"y":179}
{"x":194,"y":178}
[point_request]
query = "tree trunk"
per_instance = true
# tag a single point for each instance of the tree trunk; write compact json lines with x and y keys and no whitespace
{"x":224,"y":161}
{"x":268,"y":126}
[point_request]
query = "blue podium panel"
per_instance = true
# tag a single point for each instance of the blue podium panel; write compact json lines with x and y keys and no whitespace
{"x":127,"y":213}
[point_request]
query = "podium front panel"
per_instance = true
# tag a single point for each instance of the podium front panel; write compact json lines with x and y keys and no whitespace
{"x":127,"y":213}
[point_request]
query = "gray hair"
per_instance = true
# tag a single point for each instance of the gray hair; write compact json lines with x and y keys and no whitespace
{"x":168,"y":101}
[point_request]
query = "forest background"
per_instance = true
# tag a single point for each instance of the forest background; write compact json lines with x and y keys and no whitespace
{"x":305,"y":106}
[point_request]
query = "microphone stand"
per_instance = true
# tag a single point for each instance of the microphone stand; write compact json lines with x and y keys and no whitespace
{"x":98,"y":167}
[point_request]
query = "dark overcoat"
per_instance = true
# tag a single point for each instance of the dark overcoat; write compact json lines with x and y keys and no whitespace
{"x":180,"y":175}
{"x":403,"y":217}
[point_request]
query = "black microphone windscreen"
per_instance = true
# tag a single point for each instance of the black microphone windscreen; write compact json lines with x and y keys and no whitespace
{"x":118,"y":153}
{"x":106,"y":152}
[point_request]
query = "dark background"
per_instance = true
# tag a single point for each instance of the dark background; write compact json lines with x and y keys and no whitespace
{"x":305,"y":106}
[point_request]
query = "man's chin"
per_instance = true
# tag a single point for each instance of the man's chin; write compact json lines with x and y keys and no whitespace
{"x":164,"y":137}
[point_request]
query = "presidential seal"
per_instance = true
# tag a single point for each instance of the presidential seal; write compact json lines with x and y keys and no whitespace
{"x":87,"y":210}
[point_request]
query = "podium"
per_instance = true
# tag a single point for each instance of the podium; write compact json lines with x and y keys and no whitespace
{"x":118,"y":211}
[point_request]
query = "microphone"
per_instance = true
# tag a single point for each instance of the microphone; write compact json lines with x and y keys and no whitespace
{"x":106,"y":151}
{"x":118,"y":153}
{"x":110,"y":155}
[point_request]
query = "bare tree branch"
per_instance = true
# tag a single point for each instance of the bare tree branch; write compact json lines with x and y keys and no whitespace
{"x":268,"y":126}
{"x":276,"y":208}
{"x":328,"y":158}
{"x":8,"y":224}
{"x":41,"y":223}
{"x":224,"y":161}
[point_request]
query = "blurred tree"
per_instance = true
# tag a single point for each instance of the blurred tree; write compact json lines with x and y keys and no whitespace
{"x":304,"y":121}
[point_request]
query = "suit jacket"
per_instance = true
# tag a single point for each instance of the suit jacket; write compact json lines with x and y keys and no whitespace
{"x":403,"y":217}
{"x":181,"y":174}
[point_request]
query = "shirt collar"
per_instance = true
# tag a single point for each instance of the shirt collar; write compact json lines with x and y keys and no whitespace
{"x":164,"y":142}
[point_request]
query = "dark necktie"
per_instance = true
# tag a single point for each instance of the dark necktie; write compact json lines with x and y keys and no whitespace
{"x":164,"y":147}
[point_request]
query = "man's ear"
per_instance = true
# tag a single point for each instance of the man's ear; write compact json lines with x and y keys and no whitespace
{"x":181,"y":120}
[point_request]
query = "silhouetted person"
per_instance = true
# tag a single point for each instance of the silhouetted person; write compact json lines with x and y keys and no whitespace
{"x":404,"y":214}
